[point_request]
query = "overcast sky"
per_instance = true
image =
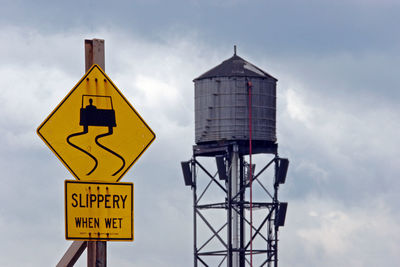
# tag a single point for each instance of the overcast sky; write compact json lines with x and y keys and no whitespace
{"x":338,"y":119}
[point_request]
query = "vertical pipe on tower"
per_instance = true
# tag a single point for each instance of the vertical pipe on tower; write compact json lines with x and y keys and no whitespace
{"x":235,"y":215}
{"x":229,"y":216}
{"x":194,"y":188}
{"x":276,"y":203}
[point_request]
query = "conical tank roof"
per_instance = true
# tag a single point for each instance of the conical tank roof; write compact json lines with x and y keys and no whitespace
{"x":235,"y":67}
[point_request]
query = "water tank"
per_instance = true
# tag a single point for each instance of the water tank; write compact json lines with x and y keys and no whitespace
{"x":222,"y":103}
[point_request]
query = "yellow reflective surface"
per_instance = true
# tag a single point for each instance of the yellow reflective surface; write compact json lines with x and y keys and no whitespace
{"x":95,"y":131}
{"x":98,"y":211}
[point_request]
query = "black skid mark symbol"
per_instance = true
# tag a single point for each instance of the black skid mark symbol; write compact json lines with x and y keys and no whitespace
{"x":85,"y":131}
{"x":110,"y":132}
{"x":93,"y":116}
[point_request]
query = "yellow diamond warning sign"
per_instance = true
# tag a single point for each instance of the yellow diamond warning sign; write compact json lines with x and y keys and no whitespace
{"x":95,"y":131}
{"x":98,"y":211}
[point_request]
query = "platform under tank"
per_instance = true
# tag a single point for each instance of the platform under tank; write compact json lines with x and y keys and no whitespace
{"x":222,"y":104}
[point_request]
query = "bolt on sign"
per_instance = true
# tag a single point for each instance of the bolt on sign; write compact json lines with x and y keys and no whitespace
{"x":95,"y":131}
{"x":98,"y":211}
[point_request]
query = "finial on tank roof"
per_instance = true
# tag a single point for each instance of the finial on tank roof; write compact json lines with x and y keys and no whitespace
{"x":234,"y":50}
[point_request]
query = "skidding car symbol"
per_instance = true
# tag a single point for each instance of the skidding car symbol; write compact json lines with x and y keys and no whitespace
{"x":93,"y":116}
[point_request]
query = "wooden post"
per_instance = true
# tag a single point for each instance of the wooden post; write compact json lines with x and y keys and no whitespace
{"x":73,"y":253}
{"x":94,"y":54}
{"x":96,"y":250}
{"x":96,"y":253}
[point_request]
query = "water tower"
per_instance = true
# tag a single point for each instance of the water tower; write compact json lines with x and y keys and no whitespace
{"x":236,"y":211}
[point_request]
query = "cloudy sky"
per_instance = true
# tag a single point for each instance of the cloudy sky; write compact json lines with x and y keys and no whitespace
{"x":338,"y":119}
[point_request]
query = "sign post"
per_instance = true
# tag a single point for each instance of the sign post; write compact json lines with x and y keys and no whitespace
{"x":94,"y":54}
{"x":98,"y":136}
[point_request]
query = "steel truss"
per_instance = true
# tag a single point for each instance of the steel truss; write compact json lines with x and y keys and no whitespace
{"x":228,"y":243}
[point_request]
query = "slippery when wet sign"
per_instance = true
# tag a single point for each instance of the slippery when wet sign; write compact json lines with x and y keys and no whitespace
{"x":98,"y":136}
{"x":95,"y":131}
{"x":98,"y":211}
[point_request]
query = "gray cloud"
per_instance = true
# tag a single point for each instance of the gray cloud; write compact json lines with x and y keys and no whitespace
{"x":338,"y":119}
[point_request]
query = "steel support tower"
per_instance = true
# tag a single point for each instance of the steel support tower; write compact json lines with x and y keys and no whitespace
{"x":224,"y":234}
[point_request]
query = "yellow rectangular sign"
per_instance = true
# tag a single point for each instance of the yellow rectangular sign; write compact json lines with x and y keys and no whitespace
{"x":98,"y":211}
